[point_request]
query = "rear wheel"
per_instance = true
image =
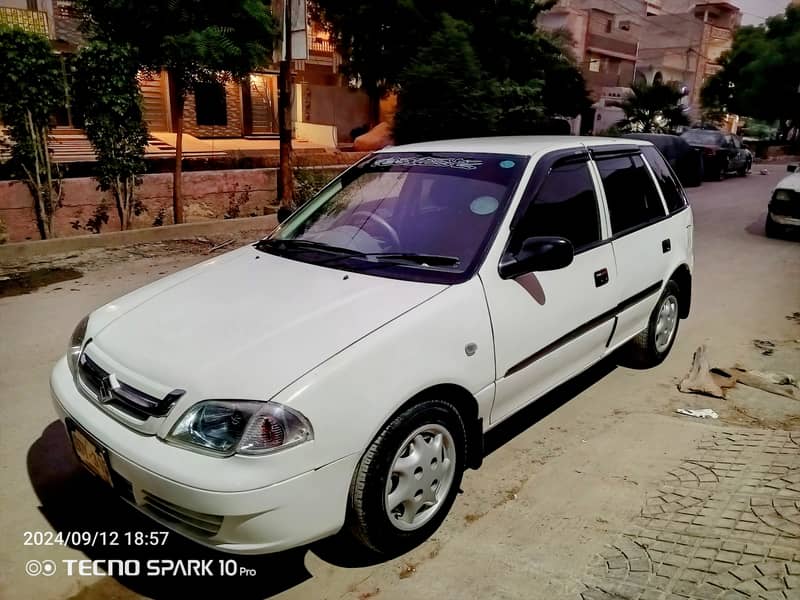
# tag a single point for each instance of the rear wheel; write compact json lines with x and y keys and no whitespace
{"x":408,"y":478}
{"x":652,"y":345}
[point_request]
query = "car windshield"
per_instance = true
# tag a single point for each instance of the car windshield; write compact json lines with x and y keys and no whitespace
{"x":700,"y":136}
{"x":418,"y":216}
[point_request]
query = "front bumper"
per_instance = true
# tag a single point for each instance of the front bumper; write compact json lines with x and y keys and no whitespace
{"x":285,"y":514}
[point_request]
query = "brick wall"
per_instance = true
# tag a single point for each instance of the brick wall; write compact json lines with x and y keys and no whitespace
{"x":235,"y":126}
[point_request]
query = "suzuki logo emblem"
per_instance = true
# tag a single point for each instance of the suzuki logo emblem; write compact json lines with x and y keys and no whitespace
{"x":108,"y":385}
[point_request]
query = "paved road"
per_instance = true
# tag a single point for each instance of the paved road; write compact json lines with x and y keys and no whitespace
{"x":599,"y":490}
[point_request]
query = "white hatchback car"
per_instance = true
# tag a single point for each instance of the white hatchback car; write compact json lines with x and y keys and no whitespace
{"x":344,"y":370}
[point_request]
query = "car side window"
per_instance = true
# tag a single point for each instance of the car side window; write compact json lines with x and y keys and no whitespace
{"x":565,"y":206}
{"x":670,"y":188}
{"x":631,"y":193}
{"x":737,"y":143}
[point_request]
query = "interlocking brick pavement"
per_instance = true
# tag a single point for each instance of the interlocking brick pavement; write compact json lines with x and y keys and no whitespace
{"x":725,"y":525}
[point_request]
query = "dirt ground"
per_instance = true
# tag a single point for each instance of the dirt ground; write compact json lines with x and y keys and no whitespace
{"x":597,"y":491}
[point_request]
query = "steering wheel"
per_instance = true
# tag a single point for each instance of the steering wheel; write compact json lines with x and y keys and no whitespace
{"x":395,"y":239}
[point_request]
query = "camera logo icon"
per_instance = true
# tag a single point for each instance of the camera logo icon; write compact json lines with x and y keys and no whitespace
{"x":34,"y":568}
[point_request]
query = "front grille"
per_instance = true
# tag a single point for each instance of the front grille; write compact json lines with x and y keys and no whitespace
{"x":129,"y":400}
{"x":787,"y":208}
{"x":196,"y":523}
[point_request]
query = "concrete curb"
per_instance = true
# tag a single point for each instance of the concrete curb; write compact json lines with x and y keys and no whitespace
{"x":23,"y":250}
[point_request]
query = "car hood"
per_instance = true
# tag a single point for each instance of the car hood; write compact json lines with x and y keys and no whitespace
{"x":791,"y":182}
{"x":243,"y":326}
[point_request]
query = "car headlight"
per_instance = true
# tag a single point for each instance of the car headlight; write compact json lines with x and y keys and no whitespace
{"x":782,"y":195}
{"x":76,"y":344}
{"x":229,"y":427}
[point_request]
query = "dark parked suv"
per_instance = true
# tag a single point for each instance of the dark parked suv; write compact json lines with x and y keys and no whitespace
{"x":723,"y":153}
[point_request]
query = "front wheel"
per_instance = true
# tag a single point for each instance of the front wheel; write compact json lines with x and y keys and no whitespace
{"x":408,"y":478}
{"x":771,"y":228}
{"x":651,"y":346}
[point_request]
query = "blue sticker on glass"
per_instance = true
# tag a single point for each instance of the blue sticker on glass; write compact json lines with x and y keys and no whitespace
{"x":484,"y":205}
{"x":507,"y":164}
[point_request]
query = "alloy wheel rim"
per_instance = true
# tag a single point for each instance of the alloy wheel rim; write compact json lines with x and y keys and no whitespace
{"x":666,"y":323}
{"x":420,"y":477}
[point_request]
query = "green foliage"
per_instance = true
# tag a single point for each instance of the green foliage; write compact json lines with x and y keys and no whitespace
{"x":31,"y":88}
{"x":443,"y":94}
{"x":652,"y":109}
{"x":108,"y":99}
{"x":195,"y":40}
{"x":760,"y":74}
{"x":501,"y":74}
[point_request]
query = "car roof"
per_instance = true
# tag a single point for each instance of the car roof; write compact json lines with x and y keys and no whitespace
{"x":519,"y":145}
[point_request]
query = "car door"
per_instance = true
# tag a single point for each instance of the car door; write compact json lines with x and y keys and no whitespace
{"x":641,"y":237}
{"x":551,"y":325}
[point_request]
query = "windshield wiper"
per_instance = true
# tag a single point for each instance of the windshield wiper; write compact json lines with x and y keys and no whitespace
{"x":292,"y":244}
{"x":431,"y":260}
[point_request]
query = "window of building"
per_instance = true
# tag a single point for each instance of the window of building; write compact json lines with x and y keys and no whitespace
{"x":211,"y":106}
{"x":565,"y":206}
{"x":631,"y":193}
{"x":594,"y":65}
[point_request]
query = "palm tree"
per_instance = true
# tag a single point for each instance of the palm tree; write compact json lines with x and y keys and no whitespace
{"x":652,"y":108}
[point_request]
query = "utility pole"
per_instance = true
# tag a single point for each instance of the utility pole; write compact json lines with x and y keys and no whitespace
{"x":285,"y":178}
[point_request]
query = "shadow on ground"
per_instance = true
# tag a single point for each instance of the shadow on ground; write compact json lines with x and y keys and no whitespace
{"x":73,"y":500}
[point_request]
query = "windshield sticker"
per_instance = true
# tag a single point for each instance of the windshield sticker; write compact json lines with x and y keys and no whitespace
{"x":484,"y":205}
{"x":507,"y":164}
{"x":428,"y":161}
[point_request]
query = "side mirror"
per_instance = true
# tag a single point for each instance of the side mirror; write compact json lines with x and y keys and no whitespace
{"x":791,"y":168}
{"x":538,"y":254}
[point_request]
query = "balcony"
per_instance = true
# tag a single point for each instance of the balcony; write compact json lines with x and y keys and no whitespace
{"x":597,"y":80}
{"x":33,"y":21}
{"x":602,"y":44}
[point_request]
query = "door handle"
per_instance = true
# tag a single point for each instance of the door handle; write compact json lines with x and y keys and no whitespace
{"x":601,"y":277}
{"x":666,"y":246}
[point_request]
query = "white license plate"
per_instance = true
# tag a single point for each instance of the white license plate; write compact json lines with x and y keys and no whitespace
{"x":93,"y":456}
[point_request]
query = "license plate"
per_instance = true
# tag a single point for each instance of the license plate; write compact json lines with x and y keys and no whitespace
{"x":93,"y":456}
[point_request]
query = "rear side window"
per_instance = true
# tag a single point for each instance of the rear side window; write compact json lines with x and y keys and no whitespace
{"x":673,"y":193}
{"x":565,"y":206}
{"x":631,"y":193}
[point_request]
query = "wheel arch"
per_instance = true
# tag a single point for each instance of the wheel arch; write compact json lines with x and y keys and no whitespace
{"x":467,"y":406}
{"x":683,"y":277}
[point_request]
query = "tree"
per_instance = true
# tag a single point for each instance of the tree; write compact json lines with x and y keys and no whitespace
{"x":108,"y":99}
{"x":449,"y":66}
{"x":376,"y":40}
{"x":196,"y":41}
{"x":652,"y":108}
{"x":760,"y":75}
{"x":31,"y":89}
{"x":529,"y":70}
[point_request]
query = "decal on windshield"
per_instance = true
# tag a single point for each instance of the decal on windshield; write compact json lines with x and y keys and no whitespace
{"x":507,"y":164}
{"x":428,"y":161}
{"x":484,"y":205}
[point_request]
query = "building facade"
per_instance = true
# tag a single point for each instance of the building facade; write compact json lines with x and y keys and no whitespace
{"x":325,"y":109}
{"x":683,"y":44}
{"x":605,"y":42}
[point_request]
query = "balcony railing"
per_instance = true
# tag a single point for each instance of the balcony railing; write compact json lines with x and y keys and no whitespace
{"x":34,"y":21}
{"x":609,"y":44}
{"x":319,"y":45}
{"x":600,"y":80}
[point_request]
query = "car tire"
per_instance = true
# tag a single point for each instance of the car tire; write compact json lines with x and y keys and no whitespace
{"x":403,"y":461}
{"x":771,"y":228}
{"x":651,"y":346}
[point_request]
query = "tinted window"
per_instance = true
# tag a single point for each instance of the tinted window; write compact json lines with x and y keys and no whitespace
{"x":673,"y":193}
{"x":630,"y":191}
{"x":565,"y":206}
